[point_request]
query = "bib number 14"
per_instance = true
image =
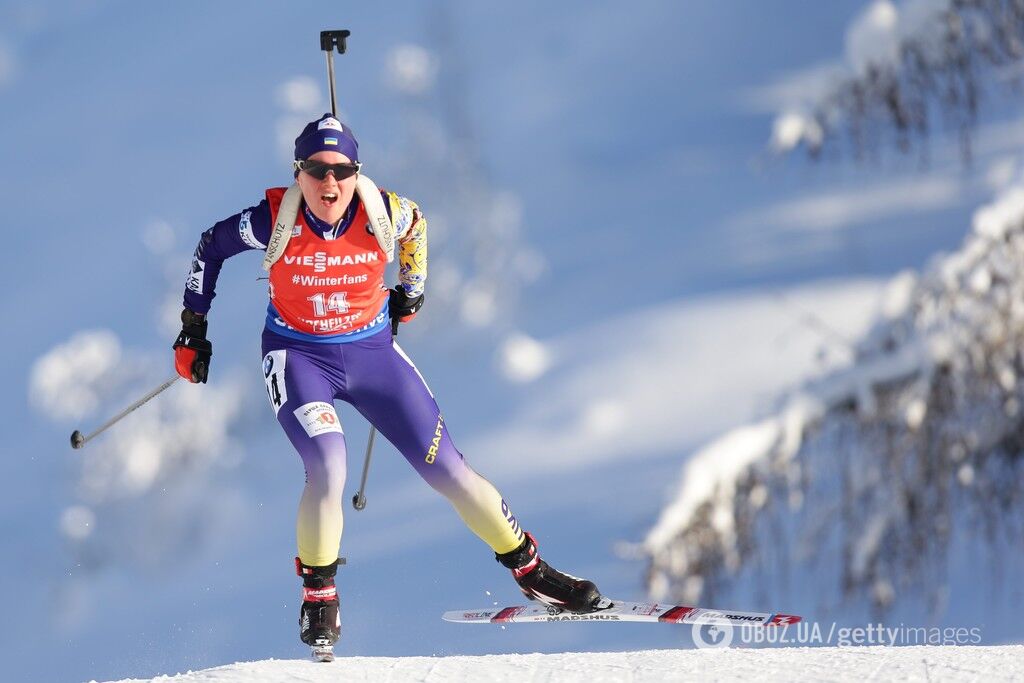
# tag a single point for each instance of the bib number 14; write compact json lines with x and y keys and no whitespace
{"x":323,"y":304}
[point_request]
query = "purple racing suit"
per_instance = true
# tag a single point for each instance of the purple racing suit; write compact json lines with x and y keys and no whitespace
{"x":304,"y":375}
{"x":383,"y":384}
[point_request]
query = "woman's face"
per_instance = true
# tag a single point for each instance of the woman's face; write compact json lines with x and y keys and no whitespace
{"x":328,"y":198}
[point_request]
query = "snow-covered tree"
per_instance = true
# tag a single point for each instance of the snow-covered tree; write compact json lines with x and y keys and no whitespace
{"x":868,"y":477}
{"x":905,"y":67}
{"x":875,"y":468}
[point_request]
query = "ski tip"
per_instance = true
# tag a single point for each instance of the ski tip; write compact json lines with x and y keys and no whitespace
{"x":462,"y":616}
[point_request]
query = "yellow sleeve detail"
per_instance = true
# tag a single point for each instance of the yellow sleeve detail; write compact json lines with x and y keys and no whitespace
{"x":411,"y":230}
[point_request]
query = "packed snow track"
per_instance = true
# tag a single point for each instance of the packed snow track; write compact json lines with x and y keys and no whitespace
{"x":919,"y":663}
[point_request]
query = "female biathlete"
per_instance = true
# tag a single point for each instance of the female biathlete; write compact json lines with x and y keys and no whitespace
{"x":328,"y":336}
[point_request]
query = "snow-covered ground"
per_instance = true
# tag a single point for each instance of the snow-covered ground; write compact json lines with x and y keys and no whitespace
{"x":917,"y":663}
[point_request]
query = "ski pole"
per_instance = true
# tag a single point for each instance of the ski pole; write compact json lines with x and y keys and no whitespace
{"x":359,"y":500}
{"x":77,"y":440}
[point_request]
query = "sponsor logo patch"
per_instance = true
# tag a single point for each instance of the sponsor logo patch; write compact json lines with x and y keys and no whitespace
{"x":477,"y":615}
{"x":318,"y":418}
{"x":320,"y":261}
{"x":511,"y":519}
{"x":509,"y":613}
{"x":330,"y":122}
{"x":404,"y":218}
{"x":245,"y":230}
{"x":646,"y":608}
{"x":194,"y":281}
{"x":435,"y":443}
{"x":784,"y":619}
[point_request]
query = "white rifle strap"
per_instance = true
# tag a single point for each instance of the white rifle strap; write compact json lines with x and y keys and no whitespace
{"x":282,"y":232}
{"x":383,"y":228}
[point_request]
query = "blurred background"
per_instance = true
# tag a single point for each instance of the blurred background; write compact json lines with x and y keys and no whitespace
{"x":723,"y":297}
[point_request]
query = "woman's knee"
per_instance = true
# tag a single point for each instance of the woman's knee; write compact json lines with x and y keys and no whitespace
{"x":325,"y":469}
{"x":449,"y":474}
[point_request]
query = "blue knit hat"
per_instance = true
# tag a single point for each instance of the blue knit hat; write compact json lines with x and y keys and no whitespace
{"x":326,"y":134}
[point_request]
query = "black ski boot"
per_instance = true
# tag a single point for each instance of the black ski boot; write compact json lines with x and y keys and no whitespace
{"x":319,"y":620}
{"x":539,"y":581}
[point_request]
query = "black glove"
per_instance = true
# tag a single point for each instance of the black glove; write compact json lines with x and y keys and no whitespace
{"x":402,"y":306}
{"x":192,"y":351}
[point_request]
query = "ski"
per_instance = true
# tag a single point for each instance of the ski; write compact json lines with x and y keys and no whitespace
{"x":620,"y":610}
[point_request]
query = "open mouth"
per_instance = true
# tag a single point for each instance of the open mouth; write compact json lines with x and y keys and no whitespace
{"x":329,"y":198}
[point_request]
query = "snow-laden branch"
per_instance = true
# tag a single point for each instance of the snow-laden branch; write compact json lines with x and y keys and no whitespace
{"x":903,"y":65}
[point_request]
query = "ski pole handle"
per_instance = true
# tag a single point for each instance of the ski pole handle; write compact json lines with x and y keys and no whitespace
{"x":329,"y":40}
{"x":77,"y":440}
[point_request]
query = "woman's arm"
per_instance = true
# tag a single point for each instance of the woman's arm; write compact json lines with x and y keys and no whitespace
{"x":249,"y":229}
{"x":411,"y":230}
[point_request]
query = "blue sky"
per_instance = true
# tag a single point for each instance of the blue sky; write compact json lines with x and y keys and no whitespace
{"x":632,"y":142}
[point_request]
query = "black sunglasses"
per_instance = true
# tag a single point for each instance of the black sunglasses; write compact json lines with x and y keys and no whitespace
{"x":319,"y":169}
